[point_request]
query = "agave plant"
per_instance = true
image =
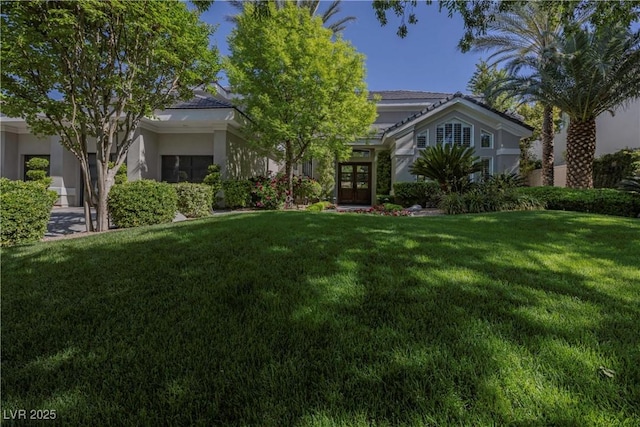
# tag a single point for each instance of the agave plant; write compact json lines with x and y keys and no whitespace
{"x":448,"y":164}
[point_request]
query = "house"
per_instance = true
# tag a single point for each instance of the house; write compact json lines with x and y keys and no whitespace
{"x":409,"y":122}
{"x":180,"y":142}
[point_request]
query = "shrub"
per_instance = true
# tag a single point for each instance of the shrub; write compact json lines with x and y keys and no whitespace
{"x":453,"y":203}
{"x":214,"y":180}
{"x":194,"y":200}
{"x":449,"y":165}
{"x":37,"y":171}
{"x":610,"y":169}
{"x":631,"y":185}
{"x":426,"y":194}
{"x":384,"y":198}
{"x":237,"y":193}
{"x":25,"y":209}
{"x":320,"y":206}
{"x":391,"y":207}
{"x":383,"y":173}
{"x":306,"y":189}
{"x":596,"y":200}
{"x":143,"y":202}
{"x":504,"y":181}
{"x":121,"y":175}
{"x":269,"y":192}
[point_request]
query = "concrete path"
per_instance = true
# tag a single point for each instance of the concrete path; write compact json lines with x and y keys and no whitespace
{"x":65,"y":221}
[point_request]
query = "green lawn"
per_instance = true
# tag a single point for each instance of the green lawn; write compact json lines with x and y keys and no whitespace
{"x":287,"y":318}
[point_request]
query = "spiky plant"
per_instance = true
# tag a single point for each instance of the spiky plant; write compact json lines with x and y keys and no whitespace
{"x":448,"y":164}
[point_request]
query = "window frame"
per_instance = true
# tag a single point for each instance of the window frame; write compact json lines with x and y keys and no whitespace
{"x":489,"y":168}
{"x":491,"y":136}
{"x":165,"y":177}
{"x":442,"y":126}
{"x":424,"y":133}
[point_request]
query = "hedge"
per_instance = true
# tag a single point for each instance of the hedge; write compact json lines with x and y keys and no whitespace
{"x":194,"y":200}
{"x":425,"y":194}
{"x":144,"y":202}
{"x":597,"y":200}
{"x":237,"y":193}
{"x":25,"y":209}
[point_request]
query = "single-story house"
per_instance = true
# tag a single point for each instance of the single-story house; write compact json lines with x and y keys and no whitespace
{"x":180,"y":142}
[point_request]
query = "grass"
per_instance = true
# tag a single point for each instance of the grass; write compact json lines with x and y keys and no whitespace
{"x":330,"y":319}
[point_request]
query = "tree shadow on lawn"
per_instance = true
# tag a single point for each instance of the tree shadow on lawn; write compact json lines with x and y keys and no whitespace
{"x":291,"y":318}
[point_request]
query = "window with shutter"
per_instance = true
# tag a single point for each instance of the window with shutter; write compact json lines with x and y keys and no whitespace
{"x":421,"y":140}
{"x":454,"y":132}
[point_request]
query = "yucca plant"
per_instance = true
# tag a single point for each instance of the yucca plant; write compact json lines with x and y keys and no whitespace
{"x":448,"y":164}
{"x":631,"y":185}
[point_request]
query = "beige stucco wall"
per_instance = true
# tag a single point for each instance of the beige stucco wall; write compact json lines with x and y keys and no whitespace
{"x":242,"y":161}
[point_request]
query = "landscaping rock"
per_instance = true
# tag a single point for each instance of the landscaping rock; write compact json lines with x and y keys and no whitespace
{"x":179,"y":217}
{"x":415,"y":208}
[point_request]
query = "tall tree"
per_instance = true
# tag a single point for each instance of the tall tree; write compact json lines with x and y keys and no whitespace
{"x":484,"y":82}
{"x":306,"y":96}
{"x":90,"y":69}
{"x":523,"y":38}
{"x":263,"y":7}
{"x":593,"y":71}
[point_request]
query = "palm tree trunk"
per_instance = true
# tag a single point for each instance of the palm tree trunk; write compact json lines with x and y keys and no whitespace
{"x":547,"y":145}
{"x":581,"y":149}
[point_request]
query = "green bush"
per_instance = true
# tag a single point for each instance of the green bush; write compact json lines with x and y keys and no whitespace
{"x":37,"y":171}
{"x":306,"y":189}
{"x":384,"y":198}
{"x":426,"y":194}
{"x":143,"y":202}
{"x":194,"y":200}
{"x":237,"y":193}
{"x":487,"y":199}
{"x":25,"y":210}
{"x":383,"y":173}
{"x":391,"y":207}
{"x":610,"y":169}
{"x":121,"y":175}
{"x":453,"y":203}
{"x":598,"y":200}
{"x":319,"y":206}
{"x":214,"y":179}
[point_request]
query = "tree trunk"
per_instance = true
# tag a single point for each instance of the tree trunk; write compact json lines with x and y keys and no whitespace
{"x":288,"y":169}
{"x":105,"y":182}
{"x":581,"y":149}
{"x":88,"y":221}
{"x":547,"y":145}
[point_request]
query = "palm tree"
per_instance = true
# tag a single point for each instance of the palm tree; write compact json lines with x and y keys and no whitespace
{"x":312,"y":5}
{"x":521,"y":39}
{"x":448,"y":164}
{"x":593,"y":71}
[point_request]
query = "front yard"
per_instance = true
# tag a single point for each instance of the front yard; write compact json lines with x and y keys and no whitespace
{"x":293,"y":318}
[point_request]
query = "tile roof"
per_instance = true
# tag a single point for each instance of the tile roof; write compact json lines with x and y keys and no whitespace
{"x":450,"y":98}
{"x":200,"y":102}
{"x":407,"y":95}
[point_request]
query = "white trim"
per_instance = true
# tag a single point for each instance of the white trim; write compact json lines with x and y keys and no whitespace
{"x":454,"y":120}
{"x":491,"y":143}
{"x":507,"y":151}
{"x":405,"y":152}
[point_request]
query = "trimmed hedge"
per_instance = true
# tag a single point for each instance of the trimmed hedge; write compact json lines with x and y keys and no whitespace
{"x":237,"y":193}
{"x":486,"y":199}
{"x":144,"y":202}
{"x":426,"y":194}
{"x":598,"y":200}
{"x":194,"y":200}
{"x":25,"y":209}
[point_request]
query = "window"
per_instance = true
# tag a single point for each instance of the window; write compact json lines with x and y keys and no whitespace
{"x":454,"y":132}
{"x":486,"y":139}
{"x":487,"y":167}
{"x":361,"y":153}
{"x":307,"y":168}
{"x":422,"y":140}
{"x":28,"y":157}
{"x":185,"y":168}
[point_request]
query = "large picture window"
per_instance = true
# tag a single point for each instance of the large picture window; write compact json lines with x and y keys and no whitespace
{"x":454,"y":132}
{"x":185,"y":168}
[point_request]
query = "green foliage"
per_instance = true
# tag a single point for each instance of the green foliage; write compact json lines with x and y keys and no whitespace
{"x":599,"y":200}
{"x":453,"y":203}
{"x":392,"y":207}
{"x":121,"y":175}
{"x":303,"y":88}
{"x":385,"y":198}
{"x":143,"y":202}
{"x":610,"y":169}
{"x":320,"y":206}
{"x":25,"y":208}
{"x":194,"y":200}
{"x":448,"y":164}
{"x":306,"y":189}
{"x":37,"y":171}
{"x":237,"y":193}
{"x":504,"y":181}
{"x":487,"y":198}
{"x":93,"y":69}
{"x":213,"y":179}
{"x":383,"y":173}
{"x":326,"y":173}
{"x":424,"y":193}
{"x":269,"y":192}
{"x":483,"y":83}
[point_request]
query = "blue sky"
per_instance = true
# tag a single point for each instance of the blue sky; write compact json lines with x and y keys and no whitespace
{"x":427,"y":59}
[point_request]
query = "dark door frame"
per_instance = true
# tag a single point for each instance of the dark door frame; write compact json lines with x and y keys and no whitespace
{"x":352,"y":194}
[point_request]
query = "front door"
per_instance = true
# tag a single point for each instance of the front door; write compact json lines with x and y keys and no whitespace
{"x":354,"y":186}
